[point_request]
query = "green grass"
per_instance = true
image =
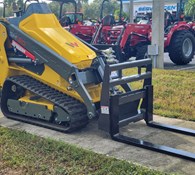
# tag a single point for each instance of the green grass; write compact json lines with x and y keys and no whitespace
{"x":174,"y":93}
{"x":24,"y":153}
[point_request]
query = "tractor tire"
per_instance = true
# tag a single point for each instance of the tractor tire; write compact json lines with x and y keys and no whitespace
{"x":182,"y":47}
{"x":142,"y":52}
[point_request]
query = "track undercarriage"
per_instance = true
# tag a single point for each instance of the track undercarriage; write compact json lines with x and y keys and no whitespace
{"x":67,"y":114}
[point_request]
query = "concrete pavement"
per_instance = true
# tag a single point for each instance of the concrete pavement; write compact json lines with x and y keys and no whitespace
{"x":169,"y":65}
{"x":93,"y":139}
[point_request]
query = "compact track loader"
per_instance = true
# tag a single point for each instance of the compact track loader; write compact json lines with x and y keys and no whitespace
{"x":50,"y":78}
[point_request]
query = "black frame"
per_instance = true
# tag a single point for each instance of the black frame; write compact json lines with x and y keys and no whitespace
{"x":111,"y":121}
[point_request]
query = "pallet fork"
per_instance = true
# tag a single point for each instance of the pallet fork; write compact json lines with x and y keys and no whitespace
{"x":134,"y":105}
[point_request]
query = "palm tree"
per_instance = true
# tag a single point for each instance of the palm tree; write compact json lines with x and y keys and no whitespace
{"x":190,"y":8}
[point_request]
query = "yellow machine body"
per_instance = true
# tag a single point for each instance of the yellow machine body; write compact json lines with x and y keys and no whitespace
{"x":41,"y":101}
{"x":4,"y":65}
{"x":46,"y":29}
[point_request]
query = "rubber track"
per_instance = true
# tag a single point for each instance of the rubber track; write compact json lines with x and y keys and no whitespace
{"x":76,"y":109}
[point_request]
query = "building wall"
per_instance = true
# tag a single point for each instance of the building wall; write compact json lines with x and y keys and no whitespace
{"x":144,"y":6}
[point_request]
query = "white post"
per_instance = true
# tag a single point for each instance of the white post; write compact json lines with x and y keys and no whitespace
{"x":158,"y":31}
{"x":131,"y":12}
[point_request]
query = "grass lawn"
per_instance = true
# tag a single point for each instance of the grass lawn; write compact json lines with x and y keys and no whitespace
{"x":174,"y":93}
{"x":22,"y":153}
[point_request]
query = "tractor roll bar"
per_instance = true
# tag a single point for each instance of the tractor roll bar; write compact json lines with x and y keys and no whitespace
{"x":62,"y":2}
{"x":26,"y":3}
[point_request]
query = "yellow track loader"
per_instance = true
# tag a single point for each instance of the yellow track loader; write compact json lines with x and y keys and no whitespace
{"x":48,"y":77}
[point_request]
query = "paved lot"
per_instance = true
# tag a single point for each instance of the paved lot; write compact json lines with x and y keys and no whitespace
{"x":93,"y":139}
{"x":169,"y":65}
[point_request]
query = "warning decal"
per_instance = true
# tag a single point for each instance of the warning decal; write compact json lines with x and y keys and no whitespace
{"x":104,"y":109}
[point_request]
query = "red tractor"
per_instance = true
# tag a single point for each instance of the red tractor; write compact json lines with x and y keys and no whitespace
{"x":180,"y":42}
{"x":132,"y":40}
{"x":73,"y":21}
{"x":124,"y":39}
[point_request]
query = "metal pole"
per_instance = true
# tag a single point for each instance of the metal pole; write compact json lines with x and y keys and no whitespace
{"x":158,"y":31}
{"x":4,"y":10}
{"x":131,"y":12}
{"x":180,"y":10}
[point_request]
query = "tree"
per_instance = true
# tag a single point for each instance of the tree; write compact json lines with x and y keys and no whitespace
{"x":9,"y":5}
{"x":55,"y":8}
{"x":190,"y":8}
{"x":80,"y":3}
{"x":117,"y":13}
{"x":20,"y":4}
{"x":93,"y":10}
{"x":12,"y":5}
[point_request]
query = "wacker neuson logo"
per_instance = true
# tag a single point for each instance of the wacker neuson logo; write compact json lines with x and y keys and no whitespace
{"x":73,"y":44}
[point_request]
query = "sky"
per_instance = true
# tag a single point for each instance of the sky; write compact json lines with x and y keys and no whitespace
{"x":90,"y":1}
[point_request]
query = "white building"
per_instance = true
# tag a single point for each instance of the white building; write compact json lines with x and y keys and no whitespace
{"x":144,"y":6}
